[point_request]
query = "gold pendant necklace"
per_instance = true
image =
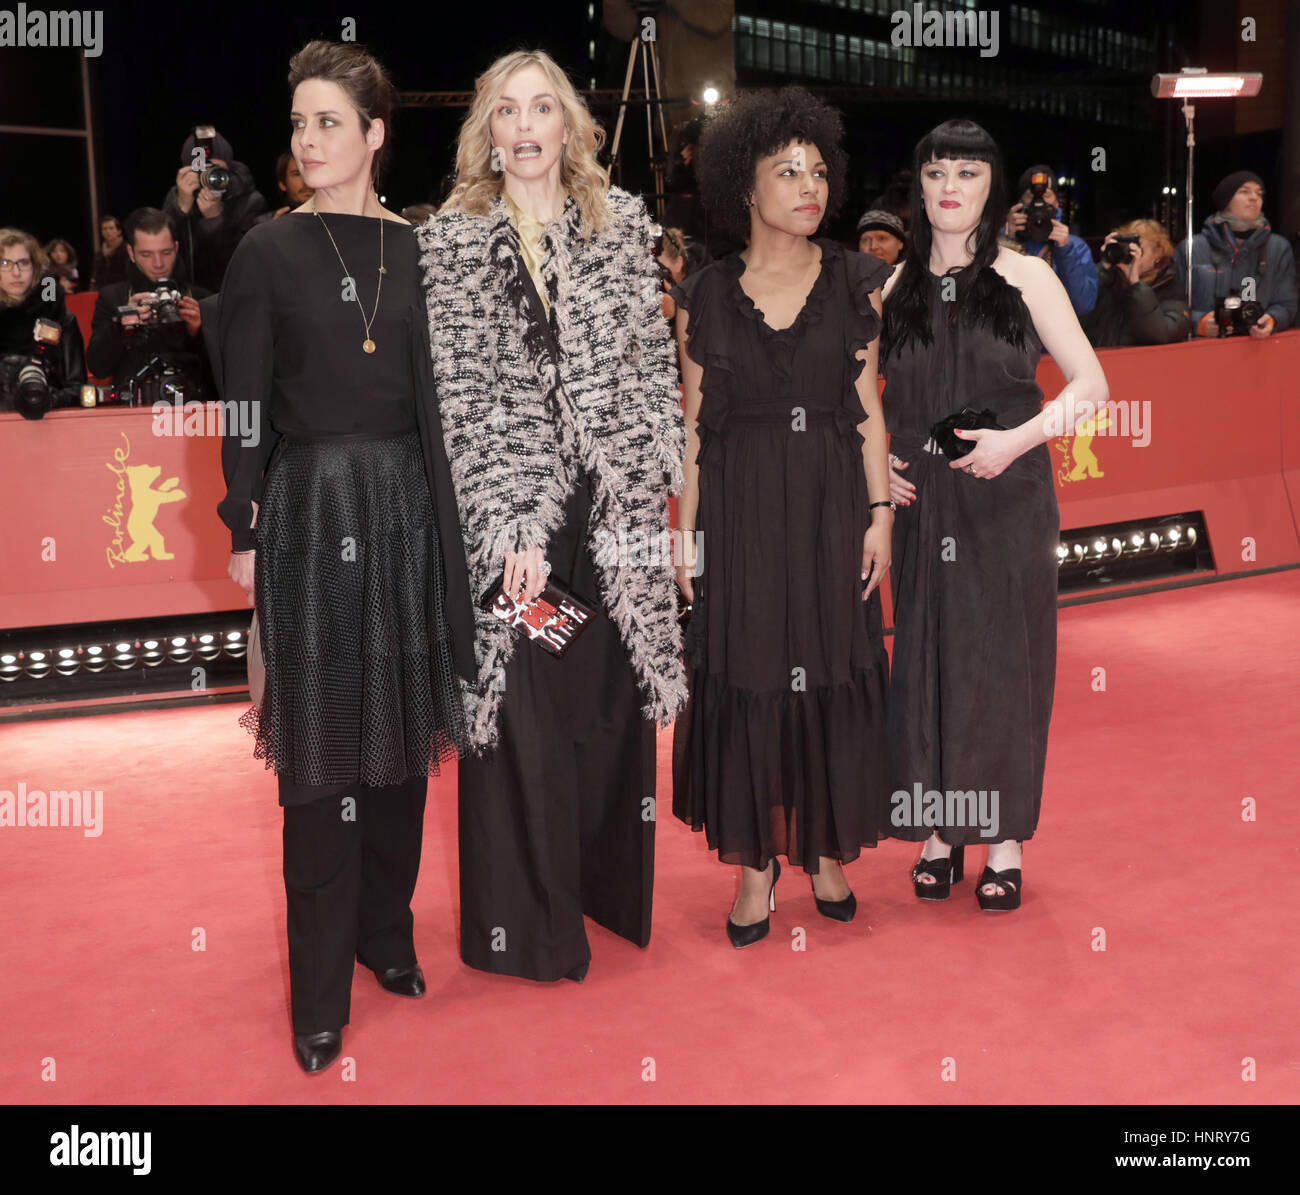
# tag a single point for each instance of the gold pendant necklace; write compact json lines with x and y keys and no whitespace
{"x":367,"y":345}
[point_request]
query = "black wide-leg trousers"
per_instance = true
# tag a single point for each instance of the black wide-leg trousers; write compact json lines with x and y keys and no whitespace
{"x":558,"y":820}
{"x":351,"y":858}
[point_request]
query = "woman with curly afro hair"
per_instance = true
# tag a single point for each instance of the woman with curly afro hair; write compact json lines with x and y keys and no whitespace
{"x":785,"y":516}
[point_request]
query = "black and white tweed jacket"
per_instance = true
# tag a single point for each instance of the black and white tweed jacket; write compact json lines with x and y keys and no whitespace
{"x":516,"y":434}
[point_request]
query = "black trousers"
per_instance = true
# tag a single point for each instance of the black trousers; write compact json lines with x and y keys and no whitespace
{"x":351,"y":857}
{"x":557,"y":821}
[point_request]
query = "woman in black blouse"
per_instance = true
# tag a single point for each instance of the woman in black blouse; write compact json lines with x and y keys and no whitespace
{"x":344,"y":533}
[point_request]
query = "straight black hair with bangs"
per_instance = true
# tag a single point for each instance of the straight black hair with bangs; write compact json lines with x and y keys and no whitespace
{"x":982,"y":296}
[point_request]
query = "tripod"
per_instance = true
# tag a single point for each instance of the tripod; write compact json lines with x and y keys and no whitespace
{"x":645,"y":9}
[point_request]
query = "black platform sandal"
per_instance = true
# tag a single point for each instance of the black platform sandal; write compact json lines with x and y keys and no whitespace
{"x":1010,"y":898}
{"x":946,"y":872}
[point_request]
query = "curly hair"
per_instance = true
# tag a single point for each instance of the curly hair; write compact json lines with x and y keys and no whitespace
{"x":756,"y":125}
{"x":581,"y":175}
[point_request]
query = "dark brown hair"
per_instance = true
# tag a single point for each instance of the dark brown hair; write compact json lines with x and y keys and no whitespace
{"x":146,"y":219}
{"x":370,"y":88}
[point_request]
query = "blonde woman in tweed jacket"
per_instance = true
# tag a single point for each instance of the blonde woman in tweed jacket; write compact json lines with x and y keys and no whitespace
{"x":556,"y":379}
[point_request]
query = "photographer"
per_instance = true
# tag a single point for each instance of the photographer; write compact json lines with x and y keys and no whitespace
{"x":288,"y":181}
{"x":122,"y":343}
{"x":1138,"y":300}
{"x":1237,"y":244}
{"x":210,"y":218}
{"x":1034,"y":227}
{"x":42,"y":361}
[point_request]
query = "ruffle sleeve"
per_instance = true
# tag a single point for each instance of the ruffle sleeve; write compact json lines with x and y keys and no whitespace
{"x":865,"y":274}
{"x":702,"y":295}
{"x":705,"y":337}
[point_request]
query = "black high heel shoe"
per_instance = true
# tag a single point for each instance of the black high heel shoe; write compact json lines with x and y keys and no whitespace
{"x":946,"y":872}
{"x":836,"y":910}
{"x":1010,"y":881}
{"x":746,"y":935}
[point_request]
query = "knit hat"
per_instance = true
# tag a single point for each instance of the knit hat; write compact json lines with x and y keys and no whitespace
{"x":1222,"y":195}
{"x":221,"y":148}
{"x":876,"y":219}
{"x":1043,"y":168}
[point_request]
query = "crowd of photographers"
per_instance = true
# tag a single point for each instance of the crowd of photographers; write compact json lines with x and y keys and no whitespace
{"x":151,"y":273}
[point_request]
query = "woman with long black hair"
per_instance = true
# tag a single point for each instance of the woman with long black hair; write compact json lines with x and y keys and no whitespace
{"x":975,"y":537}
{"x":344,"y":531}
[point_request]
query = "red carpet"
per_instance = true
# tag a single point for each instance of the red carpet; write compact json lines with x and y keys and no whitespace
{"x":1141,"y":836}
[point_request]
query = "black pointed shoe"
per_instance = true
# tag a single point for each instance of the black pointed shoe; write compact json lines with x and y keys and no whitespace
{"x":746,"y":935}
{"x":579,"y":973}
{"x":315,"y":1051}
{"x":836,"y":910}
{"x":402,"y":981}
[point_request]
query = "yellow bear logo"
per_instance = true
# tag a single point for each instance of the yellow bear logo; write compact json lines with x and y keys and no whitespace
{"x":146,"y":539}
{"x":1080,"y":461}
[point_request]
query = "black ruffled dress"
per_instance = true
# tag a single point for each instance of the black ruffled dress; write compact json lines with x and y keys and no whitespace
{"x":782,"y":748}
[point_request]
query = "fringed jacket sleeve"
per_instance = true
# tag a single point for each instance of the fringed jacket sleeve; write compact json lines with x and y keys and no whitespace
{"x":497,"y":509}
{"x":658,"y":362}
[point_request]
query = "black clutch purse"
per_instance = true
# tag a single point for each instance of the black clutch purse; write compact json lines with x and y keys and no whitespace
{"x":953,"y":446}
{"x":552,"y":620}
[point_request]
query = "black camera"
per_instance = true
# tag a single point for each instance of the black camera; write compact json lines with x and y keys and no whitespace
{"x":1235,"y":315}
{"x":1116,"y":252}
{"x":159,"y":308}
{"x":32,"y":394}
{"x":215,"y":178}
{"x":1039,"y":214}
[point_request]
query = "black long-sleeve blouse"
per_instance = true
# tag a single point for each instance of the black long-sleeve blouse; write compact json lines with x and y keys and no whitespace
{"x":291,"y":358}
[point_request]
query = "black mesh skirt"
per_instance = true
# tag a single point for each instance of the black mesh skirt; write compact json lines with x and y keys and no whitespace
{"x":360,"y":685}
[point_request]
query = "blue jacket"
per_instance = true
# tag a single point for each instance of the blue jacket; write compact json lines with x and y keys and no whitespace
{"x":1074,"y":267}
{"x":1221,"y":259}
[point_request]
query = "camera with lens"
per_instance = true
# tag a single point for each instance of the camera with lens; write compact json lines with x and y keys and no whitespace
{"x":215,"y":178}
{"x":1236,"y":316}
{"x":159,"y":308}
{"x":1116,"y":252}
{"x":32,"y":393}
{"x":1039,"y":214}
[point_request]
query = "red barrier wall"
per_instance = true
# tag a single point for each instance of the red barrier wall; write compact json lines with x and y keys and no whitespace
{"x":95,"y":531}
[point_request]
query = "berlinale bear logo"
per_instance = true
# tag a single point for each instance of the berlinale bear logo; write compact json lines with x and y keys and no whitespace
{"x":146,"y":541}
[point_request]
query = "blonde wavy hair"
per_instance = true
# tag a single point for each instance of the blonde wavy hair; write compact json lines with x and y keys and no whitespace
{"x":1154,"y":232}
{"x":581,"y":175}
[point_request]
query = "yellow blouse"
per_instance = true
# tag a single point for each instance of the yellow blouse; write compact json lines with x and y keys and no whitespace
{"x":530,"y":245}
